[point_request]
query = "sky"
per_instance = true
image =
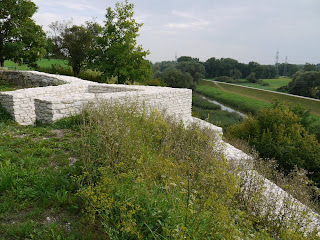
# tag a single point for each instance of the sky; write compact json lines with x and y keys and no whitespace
{"x":246,"y":30}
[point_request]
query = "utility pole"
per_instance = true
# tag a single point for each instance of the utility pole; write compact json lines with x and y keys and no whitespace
{"x":277,"y":62}
{"x":285,"y":67}
{"x":176,"y":56}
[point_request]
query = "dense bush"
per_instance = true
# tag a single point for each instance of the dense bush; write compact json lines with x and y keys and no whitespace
{"x":305,"y":84}
{"x":277,"y":132}
{"x":225,"y":79}
{"x":87,"y":74}
{"x":251,"y":77}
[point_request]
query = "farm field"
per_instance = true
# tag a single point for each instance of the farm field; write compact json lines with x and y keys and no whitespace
{"x":258,"y":97}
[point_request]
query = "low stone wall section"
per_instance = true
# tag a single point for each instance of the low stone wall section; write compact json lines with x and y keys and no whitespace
{"x":50,"y":103}
{"x":20,"y":103}
{"x":175,"y":102}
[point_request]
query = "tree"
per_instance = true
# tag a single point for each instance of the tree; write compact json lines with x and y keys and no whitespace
{"x":310,"y":67}
{"x":277,"y":132}
{"x":252,"y":77}
{"x":235,"y":74}
{"x":75,"y":43}
{"x":117,"y":53}
{"x":187,"y":59}
{"x":174,"y":77}
{"x":305,"y":84}
{"x":21,"y":40}
{"x":193,"y":67}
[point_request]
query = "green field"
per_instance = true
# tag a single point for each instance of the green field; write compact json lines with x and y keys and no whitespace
{"x":254,"y":97}
{"x":41,"y":63}
{"x":274,"y":84}
{"x":242,"y":103}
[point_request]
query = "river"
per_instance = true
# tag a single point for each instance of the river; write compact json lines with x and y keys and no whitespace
{"x":225,"y":108}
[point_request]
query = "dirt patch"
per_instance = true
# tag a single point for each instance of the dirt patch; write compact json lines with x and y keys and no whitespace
{"x":60,"y":133}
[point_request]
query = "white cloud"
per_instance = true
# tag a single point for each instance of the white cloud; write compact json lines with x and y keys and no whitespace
{"x":187,"y":20}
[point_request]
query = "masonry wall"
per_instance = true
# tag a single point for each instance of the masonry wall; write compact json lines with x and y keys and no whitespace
{"x":47,"y":104}
{"x":174,"y":102}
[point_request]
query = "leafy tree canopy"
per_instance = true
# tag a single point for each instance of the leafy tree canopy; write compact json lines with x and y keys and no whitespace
{"x":306,"y":84}
{"x":74,"y":43}
{"x":21,"y":40}
{"x":117,"y":53}
{"x":174,"y":77}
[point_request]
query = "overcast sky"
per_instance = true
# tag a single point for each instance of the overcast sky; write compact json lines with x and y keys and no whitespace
{"x":246,"y":30}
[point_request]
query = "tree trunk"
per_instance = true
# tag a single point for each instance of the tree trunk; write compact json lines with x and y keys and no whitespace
{"x":76,"y":71}
{"x":2,"y":62}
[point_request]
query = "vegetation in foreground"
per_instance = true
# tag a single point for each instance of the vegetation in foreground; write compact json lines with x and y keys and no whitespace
{"x":119,"y":174}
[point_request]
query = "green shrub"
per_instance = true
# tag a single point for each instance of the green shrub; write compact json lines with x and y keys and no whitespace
{"x":155,"y":82}
{"x":86,"y":74}
{"x":252,"y":77}
{"x":225,"y":79}
{"x":265,"y":84}
{"x":276,"y":132}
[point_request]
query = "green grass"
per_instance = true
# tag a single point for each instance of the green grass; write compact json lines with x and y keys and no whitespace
{"x":242,"y":103}
{"x":254,"y":97}
{"x":36,"y":188}
{"x":277,"y":83}
{"x":136,"y":176}
{"x":274,"y":84}
{"x":41,"y":63}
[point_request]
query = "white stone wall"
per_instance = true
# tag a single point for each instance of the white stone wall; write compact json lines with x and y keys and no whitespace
{"x":50,"y":103}
{"x":176,"y":102}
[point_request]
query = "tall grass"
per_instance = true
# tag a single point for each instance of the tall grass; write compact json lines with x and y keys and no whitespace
{"x":148,"y":177}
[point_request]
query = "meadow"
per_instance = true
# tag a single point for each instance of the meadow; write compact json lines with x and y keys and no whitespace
{"x":251,"y":100}
{"x":270,"y":84}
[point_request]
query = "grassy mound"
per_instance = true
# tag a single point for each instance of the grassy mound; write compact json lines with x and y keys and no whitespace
{"x":119,"y":173}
